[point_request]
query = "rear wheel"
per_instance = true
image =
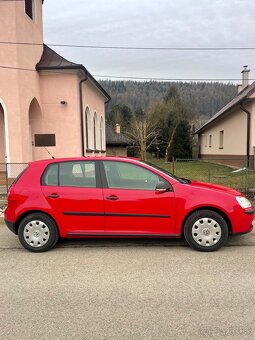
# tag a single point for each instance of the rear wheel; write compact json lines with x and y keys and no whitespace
{"x":206,"y":230}
{"x":38,"y":232}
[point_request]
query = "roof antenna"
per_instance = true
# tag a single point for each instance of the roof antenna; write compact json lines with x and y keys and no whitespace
{"x":49,"y":153}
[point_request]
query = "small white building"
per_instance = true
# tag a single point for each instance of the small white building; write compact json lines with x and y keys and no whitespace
{"x":229,"y":136}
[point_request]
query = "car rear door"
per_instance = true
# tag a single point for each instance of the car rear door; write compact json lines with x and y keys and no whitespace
{"x":73,"y":190}
{"x":132,"y":205}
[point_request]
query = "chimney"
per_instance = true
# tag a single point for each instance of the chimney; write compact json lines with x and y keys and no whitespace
{"x":117,"y":128}
{"x":245,"y":74}
{"x":239,"y":88}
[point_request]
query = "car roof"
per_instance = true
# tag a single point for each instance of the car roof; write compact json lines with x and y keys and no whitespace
{"x":72,"y":159}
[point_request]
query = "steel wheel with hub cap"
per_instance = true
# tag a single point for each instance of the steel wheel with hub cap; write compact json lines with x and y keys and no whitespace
{"x":38,"y":232}
{"x":206,"y":230}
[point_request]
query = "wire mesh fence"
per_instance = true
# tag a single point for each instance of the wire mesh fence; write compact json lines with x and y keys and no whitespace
{"x":218,"y":171}
{"x":8,"y":173}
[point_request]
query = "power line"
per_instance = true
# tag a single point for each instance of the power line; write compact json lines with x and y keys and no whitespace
{"x":214,"y":48}
{"x":172,"y":79}
{"x":134,"y":77}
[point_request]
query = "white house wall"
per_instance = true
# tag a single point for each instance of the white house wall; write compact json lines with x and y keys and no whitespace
{"x":253,"y":128}
{"x":234,"y":126}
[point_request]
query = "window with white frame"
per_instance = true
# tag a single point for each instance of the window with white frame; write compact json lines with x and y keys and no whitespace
{"x":205,"y":140}
{"x":221,"y":139}
{"x":88,"y":128}
{"x":102,"y":134}
{"x":95,"y":131}
{"x":210,"y":141}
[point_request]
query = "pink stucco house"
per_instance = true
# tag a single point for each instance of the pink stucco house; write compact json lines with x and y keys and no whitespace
{"x":45,"y":100}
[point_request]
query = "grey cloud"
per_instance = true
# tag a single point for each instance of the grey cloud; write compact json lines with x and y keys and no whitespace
{"x":149,"y":23}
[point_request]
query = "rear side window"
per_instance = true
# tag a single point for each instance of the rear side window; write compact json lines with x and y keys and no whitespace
{"x":50,"y":176}
{"x":71,"y":174}
{"x":77,"y":174}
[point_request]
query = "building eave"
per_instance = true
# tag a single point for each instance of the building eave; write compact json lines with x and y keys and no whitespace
{"x":60,"y":63}
{"x":241,"y":98}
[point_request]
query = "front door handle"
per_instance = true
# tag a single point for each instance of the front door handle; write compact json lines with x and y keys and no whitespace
{"x":112,"y":198}
{"x":53,"y":196}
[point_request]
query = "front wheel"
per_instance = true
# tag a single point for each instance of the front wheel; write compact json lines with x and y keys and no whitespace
{"x":38,"y":232}
{"x":206,"y":230}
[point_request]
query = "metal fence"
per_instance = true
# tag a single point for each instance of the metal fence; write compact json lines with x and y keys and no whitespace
{"x":228,"y":172}
{"x":8,"y":173}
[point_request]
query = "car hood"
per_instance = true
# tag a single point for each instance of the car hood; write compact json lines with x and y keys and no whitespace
{"x":215,"y":187}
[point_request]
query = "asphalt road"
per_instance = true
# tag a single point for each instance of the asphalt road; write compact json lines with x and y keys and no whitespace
{"x":127,"y":289}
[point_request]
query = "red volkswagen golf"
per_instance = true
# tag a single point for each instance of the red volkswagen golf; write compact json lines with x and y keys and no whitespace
{"x":120,"y":197}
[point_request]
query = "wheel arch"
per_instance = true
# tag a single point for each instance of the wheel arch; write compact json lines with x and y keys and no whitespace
{"x":220,"y":212}
{"x":27,"y":213}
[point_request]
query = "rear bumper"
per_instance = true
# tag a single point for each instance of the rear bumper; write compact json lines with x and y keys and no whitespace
{"x":11,"y":226}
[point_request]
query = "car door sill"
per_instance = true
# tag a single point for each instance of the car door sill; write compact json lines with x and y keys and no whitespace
{"x":121,"y":234}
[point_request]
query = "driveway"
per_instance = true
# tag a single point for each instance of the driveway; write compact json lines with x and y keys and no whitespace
{"x":127,"y":289}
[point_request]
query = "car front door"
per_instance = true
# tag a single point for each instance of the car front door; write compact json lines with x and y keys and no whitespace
{"x":132,"y":205}
{"x":73,"y":190}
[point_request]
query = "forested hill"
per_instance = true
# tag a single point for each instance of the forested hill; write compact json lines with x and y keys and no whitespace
{"x":202,"y":98}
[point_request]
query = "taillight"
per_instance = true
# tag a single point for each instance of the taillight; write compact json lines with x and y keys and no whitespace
{"x":10,"y":191}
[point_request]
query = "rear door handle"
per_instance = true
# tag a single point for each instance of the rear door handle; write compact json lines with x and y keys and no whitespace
{"x":53,"y":196}
{"x":112,"y":198}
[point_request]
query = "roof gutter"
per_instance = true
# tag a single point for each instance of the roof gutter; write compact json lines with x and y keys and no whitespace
{"x":81,"y":111}
{"x":248,"y":133}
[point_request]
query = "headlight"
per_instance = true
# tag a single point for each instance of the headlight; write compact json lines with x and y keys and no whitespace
{"x":244,"y":203}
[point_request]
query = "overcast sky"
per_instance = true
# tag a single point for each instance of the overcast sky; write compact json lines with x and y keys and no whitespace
{"x":161,"y":23}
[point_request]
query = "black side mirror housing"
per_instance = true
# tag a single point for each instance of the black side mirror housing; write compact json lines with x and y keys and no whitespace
{"x":163,"y":187}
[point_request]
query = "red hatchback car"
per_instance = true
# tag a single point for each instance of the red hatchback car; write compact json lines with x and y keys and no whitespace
{"x":120,"y":197}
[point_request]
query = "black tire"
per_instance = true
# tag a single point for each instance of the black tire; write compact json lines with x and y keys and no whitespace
{"x":38,"y":233}
{"x":206,"y":230}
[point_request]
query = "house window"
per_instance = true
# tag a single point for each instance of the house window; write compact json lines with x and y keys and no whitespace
{"x":205,"y":140}
{"x":102,"y":134}
{"x":210,"y":141}
{"x":221,"y":141}
{"x":87,"y":128}
{"x":95,"y":131}
{"x":30,"y":8}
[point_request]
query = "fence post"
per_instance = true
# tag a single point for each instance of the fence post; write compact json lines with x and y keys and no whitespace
{"x":6,"y":177}
{"x":173,"y":166}
{"x":209,"y":172}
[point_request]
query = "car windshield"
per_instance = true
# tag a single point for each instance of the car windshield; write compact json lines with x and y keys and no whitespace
{"x":180,"y":180}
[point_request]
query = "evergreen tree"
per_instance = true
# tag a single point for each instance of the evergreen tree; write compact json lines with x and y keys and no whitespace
{"x":182,"y":141}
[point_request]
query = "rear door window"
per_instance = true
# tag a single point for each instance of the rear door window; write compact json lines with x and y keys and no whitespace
{"x":71,"y":174}
{"x":77,"y":174}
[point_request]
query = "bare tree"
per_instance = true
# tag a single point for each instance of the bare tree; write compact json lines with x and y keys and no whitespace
{"x":144,"y":131}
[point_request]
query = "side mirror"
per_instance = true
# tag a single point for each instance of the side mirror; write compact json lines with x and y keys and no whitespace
{"x":162,"y":187}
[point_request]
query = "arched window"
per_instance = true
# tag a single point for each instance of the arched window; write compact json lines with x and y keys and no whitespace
{"x":102,"y":134}
{"x":88,"y":128}
{"x":95,"y":131}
